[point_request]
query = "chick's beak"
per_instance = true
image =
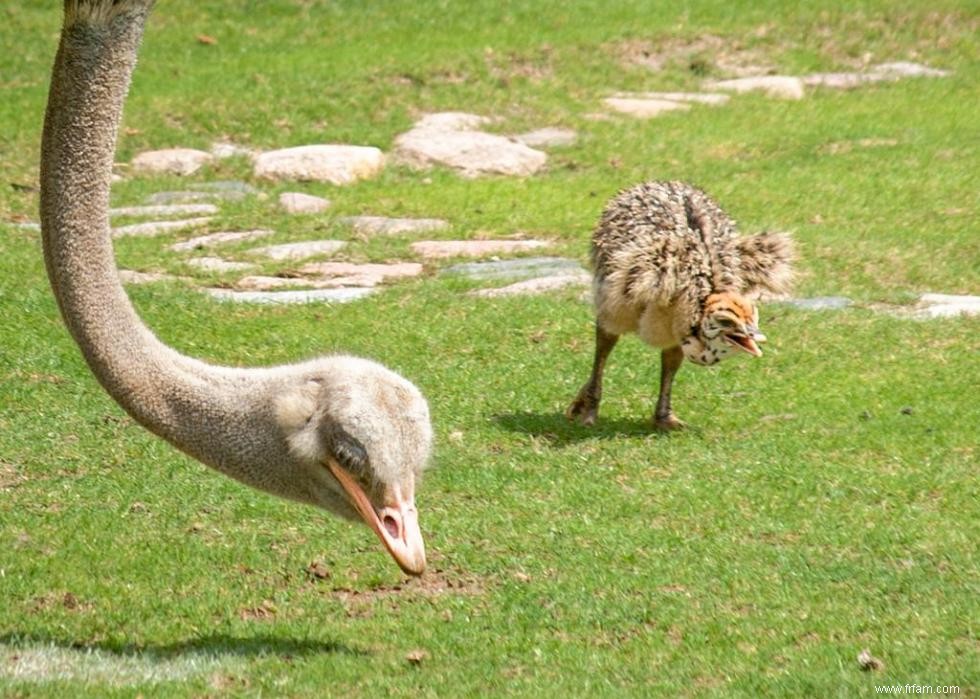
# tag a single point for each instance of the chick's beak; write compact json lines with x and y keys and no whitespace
{"x":396,"y":524}
{"x":747,"y":342}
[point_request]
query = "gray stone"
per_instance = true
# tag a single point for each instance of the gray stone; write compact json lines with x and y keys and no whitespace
{"x":517,"y":268}
{"x":164,"y":210}
{"x":341,"y":295}
{"x":880,"y":73}
{"x":946,"y":306}
{"x":781,"y":86}
{"x":224,"y":149}
{"x":538,"y":285}
{"x":299,"y":203}
{"x":171,"y":161}
{"x":152,"y":228}
{"x":188,"y":197}
{"x":905,"y":69}
{"x":819,"y":303}
{"x":448,"y":139}
{"x":26,"y":225}
{"x":225,"y":186}
{"x":130,"y":276}
{"x":709,"y":98}
{"x":217,"y":264}
{"x":839,"y":81}
{"x":300,"y":250}
{"x":370,"y":274}
{"x":213,"y":239}
{"x":336,"y":164}
{"x":221,"y":190}
{"x":472,"y":248}
{"x":381,"y":225}
{"x":550,"y":136}
{"x":644,"y":108}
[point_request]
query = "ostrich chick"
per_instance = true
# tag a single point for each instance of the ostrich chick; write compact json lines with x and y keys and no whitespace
{"x":670,"y":266}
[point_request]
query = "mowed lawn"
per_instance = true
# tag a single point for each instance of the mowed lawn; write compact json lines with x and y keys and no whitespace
{"x":823,"y":501}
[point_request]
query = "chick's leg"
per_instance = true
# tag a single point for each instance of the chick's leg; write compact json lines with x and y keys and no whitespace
{"x":670,"y":362}
{"x":585,"y":407}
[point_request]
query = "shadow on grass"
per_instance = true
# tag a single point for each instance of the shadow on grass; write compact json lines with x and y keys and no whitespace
{"x":558,"y":430}
{"x":211,"y":645}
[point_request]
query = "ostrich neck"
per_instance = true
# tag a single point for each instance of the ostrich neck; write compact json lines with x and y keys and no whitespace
{"x":221,"y":416}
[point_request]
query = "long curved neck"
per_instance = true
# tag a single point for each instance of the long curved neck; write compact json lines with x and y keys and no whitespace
{"x":89,"y":83}
{"x":218,"y":415}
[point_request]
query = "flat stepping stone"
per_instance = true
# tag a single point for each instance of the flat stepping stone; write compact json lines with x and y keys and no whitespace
{"x":153,"y":228}
{"x":644,"y":108}
{"x":221,"y":190}
{"x":547,"y":137}
{"x":171,"y":161}
{"x":187,"y":197}
{"x":222,"y":237}
{"x":780,"y":86}
{"x":165,"y":210}
{"x":25,"y":225}
{"x":299,"y":251}
{"x":450,"y":139}
{"x":342,"y":295}
{"x":131,"y":276}
{"x":946,"y":306}
{"x":224,"y":149}
{"x":538,"y":285}
{"x":472,"y":248}
{"x":300,"y":203}
{"x":819,"y":303}
{"x":218,"y":264}
{"x":336,"y":164}
{"x":226,"y":186}
{"x":381,"y":225}
{"x":883,"y":72}
{"x":368,"y":275}
{"x":520,"y":267}
{"x":259,"y":282}
{"x":709,"y":98}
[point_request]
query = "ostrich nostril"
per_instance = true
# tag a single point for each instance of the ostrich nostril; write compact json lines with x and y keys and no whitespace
{"x":391,"y":524}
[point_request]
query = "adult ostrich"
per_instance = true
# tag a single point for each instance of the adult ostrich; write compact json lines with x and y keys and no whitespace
{"x":340,"y":433}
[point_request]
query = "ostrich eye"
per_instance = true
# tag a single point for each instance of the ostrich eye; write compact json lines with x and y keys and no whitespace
{"x":345,"y":447}
{"x":726,"y":322}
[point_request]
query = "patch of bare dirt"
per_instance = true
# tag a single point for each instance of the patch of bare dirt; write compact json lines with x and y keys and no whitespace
{"x":840,"y":147}
{"x":9,"y":476}
{"x":702,"y":55}
{"x":55,"y":600}
{"x":263,"y":612}
{"x":434,"y":583}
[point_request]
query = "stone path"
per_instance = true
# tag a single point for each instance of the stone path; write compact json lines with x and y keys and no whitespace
{"x":164,"y":210}
{"x":300,"y":203}
{"x":381,"y":225}
{"x":650,"y":104}
{"x":299,"y":251}
{"x":453,"y":139}
{"x":154,"y":228}
{"x":220,"y":238}
{"x":336,"y":164}
{"x":460,"y":141}
{"x":341,"y":295}
{"x":433,"y":249}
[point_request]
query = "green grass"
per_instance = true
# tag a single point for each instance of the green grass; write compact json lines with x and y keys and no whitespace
{"x":823,"y":501}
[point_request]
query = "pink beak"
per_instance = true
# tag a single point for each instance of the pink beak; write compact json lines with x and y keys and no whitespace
{"x":396,"y":524}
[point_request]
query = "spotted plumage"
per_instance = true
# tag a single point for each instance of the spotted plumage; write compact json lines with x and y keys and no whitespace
{"x":670,"y":266}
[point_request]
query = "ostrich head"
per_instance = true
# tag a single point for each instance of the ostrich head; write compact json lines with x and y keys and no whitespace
{"x":362,"y":444}
{"x":729,"y":325}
